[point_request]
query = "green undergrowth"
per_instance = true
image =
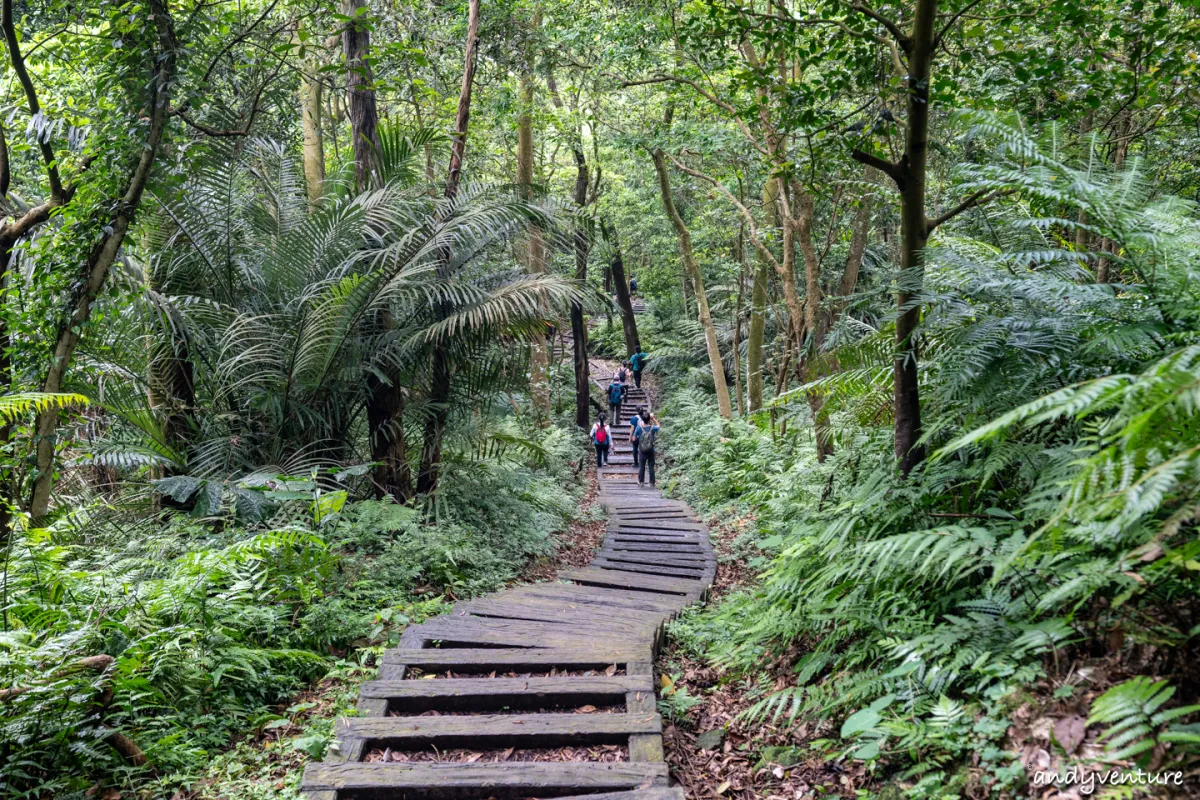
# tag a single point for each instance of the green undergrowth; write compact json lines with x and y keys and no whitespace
{"x":1046,"y":562}
{"x":187,"y":635}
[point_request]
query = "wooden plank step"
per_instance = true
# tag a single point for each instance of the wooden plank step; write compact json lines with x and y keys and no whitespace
{"x":604,"y":577}
{"x":559,"y":611}
{"x":639,"y":557}
{"x":488,"y":731}
{"x":464,"y":630}
{"x":656,"y":525}
{"x":652,"y":547}
{"x":648,"y":533}
{"x":504,"y":659}
{"x":492,"y":694}
{"x":504,"y":781}
{"x":633,"y":538}
{"x":613,"y":598}
{"x":693,"y":573}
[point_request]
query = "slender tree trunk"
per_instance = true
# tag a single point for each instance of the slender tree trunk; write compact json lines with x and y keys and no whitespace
{"x":385,"y":422}
{"x":621,"y":285}
{"x":360,"y":92}
{"x":435,"y":426}
{"x":860,"y":229}
{"x":104,"y":252}
{"x":754,"y":341}
{"x":803,"y":215}
{"x":583,"y":389}
{"x":737,"y":355}
{"x":385,"y":399}
{"x":311,"y":92}
{"x":914,"y":233}
{"x":693,"y":272}
{"x":535,"y":255}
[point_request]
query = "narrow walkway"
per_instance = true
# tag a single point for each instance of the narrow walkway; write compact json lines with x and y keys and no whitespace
{"x":537,"y":682}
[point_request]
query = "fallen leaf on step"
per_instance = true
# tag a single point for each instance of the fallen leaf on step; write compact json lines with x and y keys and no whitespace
{"x":612,"y":670}
{"x":587,"y":709}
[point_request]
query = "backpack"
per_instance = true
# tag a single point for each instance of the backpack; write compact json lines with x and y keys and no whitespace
{"x":601,"y":435}
{"x":615,"y":393}
{"x":647,"y":439}
{"x":621,"y":374}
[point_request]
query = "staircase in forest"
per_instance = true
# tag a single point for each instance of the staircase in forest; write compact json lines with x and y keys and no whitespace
{"x":539,"y":691}
{"x":563,"y":345}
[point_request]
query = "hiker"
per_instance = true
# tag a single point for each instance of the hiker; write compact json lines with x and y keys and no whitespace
{"x":647,"y":441}
{"x":632,"y":285}
{"x":635,"y":427}
{"x":622,"y":373}
{"x":637,"y":362}
{"x":616,"y":396}
{"x":601,"y":438}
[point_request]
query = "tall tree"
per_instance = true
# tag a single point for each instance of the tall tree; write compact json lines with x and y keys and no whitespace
{"x":311,"y":104}
{"x":94,"y":271}
{"x":692,"y":270}
{"x":919,"y":46}
{"x":535,"y":246}
{"x":435,"y":425}
{"x":360,"y":91}
{"x":621,"y":287}
{"x":582,"y":247}
{"x":385,"y":393}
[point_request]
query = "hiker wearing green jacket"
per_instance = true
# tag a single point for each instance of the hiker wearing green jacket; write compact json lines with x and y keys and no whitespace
{"x":636,"y":362}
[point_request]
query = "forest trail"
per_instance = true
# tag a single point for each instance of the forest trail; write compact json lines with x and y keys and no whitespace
{"x":539,"y":691}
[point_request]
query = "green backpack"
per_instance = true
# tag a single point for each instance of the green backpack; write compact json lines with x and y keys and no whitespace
{"x":647,"y":439}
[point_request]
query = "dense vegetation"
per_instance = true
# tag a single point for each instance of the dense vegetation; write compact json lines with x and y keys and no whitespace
{"x":284,"y":282}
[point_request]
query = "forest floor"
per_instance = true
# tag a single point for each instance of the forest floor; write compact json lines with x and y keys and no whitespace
{"x":268,"y":764}
{"x":713,"y":752}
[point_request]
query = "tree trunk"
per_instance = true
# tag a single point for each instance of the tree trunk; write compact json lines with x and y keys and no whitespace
{"x":621,"y":285}
{"x":693,"y":272}
{"x":385,"y":423}
{"x":535,"y":246}
{"x":439,"y":394}
{"x":914,"y":233}
{"x":104,"y":252}
{"x":737,"y":354}
{"x":312,"y":107}
{"x":754,"y":341}
{"x":583,"y":389}
{"x":385,"y":401}
{"x":314,"y":143}
{"x":360,"y":91}
{"x":803,"y":216}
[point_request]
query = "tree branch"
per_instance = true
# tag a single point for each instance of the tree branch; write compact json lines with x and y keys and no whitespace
{"x":937,"y":40}
{"x":234,"y":132}
{"x":751,"y":225}
{"x":979,"y":198}
{"x":18,"y":64}
{"x":241,"y":37}
{"x":889,"y":168}
{"x":892,"y":28}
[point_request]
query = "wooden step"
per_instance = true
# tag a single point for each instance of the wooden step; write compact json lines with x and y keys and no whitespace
{"x":561,"y":611}
{"x":497,"y":731}
{"x":694,"y":573}
{"x":604,"y":577}
{"x":584,"y":596}
{"x":464,"y":631}
{"x":503,"y":781}
{"x":599,"y":600}
{"x":493,"y":694}
{"x":678,"y":559}
{"x":502,"y":659}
